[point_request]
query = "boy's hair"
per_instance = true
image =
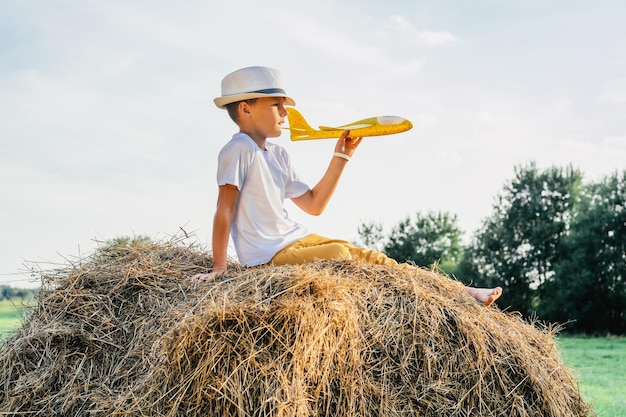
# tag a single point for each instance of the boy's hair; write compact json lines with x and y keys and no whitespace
{"x":233,"y":107}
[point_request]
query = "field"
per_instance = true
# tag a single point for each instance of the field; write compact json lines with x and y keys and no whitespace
{"x":600,"y":364}
{"x":10,"y":316}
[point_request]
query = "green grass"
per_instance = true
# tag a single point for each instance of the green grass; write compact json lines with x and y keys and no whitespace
{"x":599,"y":363}
{"x":10,"y":316}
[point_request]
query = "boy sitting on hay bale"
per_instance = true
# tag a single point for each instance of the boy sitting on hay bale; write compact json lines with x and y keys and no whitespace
{"x":255,"y":176}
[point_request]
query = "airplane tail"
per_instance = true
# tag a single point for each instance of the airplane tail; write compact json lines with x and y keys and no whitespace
{"x":297,"y":122}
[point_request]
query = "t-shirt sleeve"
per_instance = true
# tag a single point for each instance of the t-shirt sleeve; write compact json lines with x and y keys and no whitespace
{"x":232,"y":165}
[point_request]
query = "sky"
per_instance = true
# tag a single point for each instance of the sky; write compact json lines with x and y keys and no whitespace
{"x":108,"y":129}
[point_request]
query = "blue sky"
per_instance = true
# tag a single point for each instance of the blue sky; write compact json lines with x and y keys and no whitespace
{"x":108,"y":126}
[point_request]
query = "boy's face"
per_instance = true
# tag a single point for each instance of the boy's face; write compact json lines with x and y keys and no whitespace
{"x":265,"y":116}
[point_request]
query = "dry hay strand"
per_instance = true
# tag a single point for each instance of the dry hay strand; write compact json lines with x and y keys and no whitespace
{"x":125,"y":332}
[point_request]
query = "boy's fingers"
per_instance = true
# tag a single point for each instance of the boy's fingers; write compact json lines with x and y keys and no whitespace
{"x":354,"y":142}
{"x":207,"y":277}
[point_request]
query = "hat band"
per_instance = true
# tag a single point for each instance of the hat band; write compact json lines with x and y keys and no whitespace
{"x":267,"y":91}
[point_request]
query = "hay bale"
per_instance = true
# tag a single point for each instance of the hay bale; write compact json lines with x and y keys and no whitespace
{"x":125,"y":333}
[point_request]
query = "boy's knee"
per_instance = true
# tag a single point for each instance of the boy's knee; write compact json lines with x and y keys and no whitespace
{"x":338,"y":251}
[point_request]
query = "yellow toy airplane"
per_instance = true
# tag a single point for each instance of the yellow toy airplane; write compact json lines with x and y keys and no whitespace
{"x":373,"y":126}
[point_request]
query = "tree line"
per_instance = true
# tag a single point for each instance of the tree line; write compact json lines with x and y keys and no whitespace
{"x":555,"y":243}
{"x":17,"y":294}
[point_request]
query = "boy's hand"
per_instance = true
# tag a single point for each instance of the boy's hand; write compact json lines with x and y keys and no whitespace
{"x":347,"y":144}
{"x":210,"y":276}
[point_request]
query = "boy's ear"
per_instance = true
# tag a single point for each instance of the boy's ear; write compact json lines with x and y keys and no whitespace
{"x":244,"y":108}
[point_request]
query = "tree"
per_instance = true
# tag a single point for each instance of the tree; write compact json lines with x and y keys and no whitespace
{"x":371,"y":235}
{"x":110,"y":248}
{"x":518,"y":244}
{"x":10,"y":293}
{"x":589,"y":289}
{"x":424,"y":240}
{"x":5,"y":292}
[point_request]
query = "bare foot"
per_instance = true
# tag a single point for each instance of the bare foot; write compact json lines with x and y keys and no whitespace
{"x":486,"y":296}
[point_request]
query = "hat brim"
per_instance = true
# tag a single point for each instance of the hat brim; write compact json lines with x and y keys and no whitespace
{"x":223,"y":101}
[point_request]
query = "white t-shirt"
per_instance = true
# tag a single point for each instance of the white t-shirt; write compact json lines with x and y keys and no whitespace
{"x":261,"y":226}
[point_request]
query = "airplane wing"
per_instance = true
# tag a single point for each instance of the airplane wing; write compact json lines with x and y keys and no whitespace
{"x":348,"y":127}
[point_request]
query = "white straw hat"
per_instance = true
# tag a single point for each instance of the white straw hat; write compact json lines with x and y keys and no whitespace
{"x":252,"y":82}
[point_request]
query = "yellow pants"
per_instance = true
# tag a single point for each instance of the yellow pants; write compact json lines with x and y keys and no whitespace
{"x":318,"y":247}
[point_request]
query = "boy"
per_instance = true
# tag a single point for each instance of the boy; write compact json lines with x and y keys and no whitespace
{"x":255,"y":176}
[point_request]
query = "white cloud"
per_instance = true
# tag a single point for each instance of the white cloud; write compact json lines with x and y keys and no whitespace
{"x":485,"y":117}
{"x":615,"y":144}
{"x":614,"y":91}
{"x":432,"y":38}
{"x":400,"y":25}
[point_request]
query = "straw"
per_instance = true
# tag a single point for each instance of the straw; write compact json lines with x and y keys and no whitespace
{"x":127,"y":332}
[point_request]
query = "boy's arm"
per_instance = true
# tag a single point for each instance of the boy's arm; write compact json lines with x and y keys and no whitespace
{"x":223,"y":219}
{"x":315,"y":201}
